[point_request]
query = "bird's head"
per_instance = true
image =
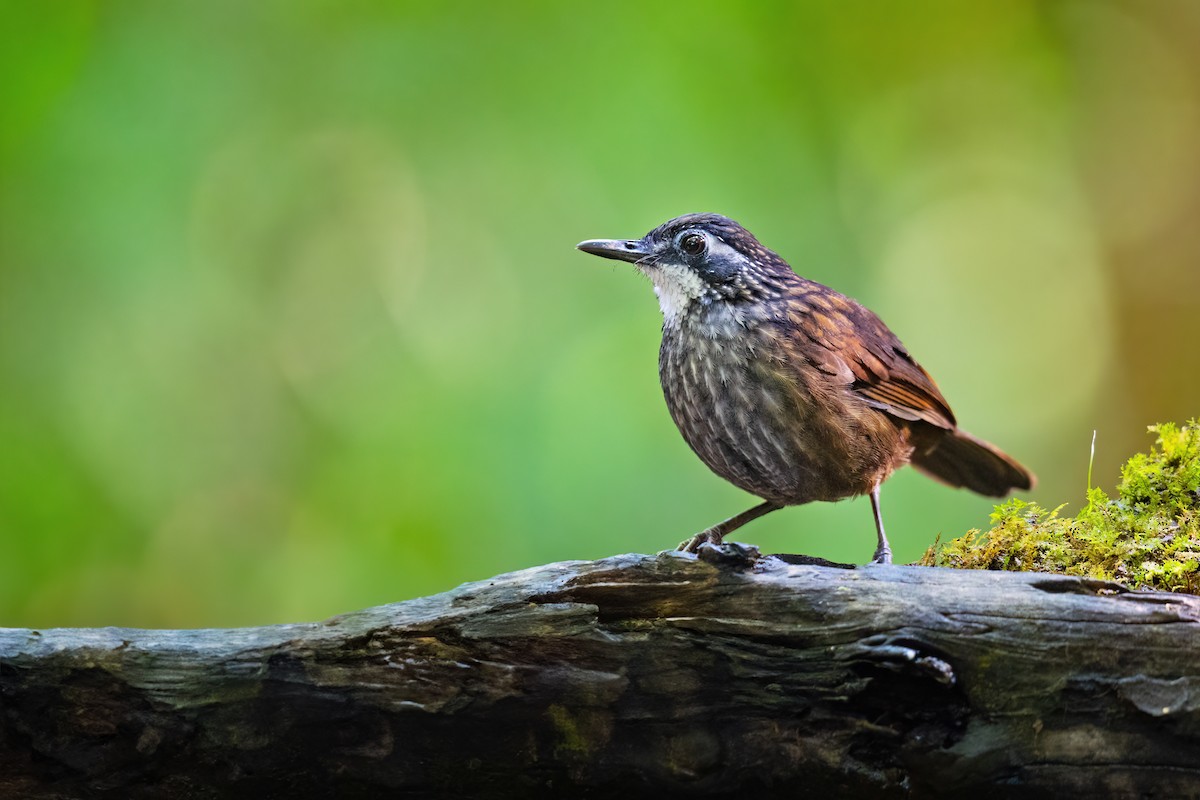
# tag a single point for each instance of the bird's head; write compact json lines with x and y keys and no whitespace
{"x":696,"y":258}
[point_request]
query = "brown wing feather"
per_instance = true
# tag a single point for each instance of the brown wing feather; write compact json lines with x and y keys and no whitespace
{"x":861,"y":350}
{"x":899,"y":396}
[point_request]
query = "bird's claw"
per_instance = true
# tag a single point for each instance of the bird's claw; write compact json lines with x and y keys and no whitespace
{"x":707,"y":536}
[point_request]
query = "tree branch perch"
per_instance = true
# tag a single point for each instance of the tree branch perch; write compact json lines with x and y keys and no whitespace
{"x":630,"y":676}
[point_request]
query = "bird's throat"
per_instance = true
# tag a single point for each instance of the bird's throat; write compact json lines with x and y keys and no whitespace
{"x":676,"y":288}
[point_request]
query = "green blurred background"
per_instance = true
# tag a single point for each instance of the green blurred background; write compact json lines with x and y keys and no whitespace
{"x":291,"y":322}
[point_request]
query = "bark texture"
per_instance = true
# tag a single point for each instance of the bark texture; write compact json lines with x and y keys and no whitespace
{"x":718,"y":675}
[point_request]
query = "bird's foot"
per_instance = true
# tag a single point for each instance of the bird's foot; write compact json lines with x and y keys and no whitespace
{"x":883,"y":555}
{"x":707,"y":536}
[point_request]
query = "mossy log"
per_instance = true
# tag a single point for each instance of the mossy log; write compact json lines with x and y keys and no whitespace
{"x":668,"y":675}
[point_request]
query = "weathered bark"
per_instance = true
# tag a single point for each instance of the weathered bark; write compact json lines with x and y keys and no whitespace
{"x":634,"y":675}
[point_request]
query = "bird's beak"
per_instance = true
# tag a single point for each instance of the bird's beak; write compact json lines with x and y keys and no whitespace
{"x":621,"y":249}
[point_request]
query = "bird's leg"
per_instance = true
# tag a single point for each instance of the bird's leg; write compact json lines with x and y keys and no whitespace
{"x":883,"y":553}
{"x":717,"y":532}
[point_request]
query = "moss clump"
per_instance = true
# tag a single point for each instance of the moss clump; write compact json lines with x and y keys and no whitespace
{"x":1147,"y":537}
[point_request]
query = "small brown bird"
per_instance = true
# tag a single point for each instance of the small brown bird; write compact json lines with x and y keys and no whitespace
{"x":788,"y":389}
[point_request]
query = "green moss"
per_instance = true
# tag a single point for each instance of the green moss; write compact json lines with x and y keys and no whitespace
{"x":571,"y":737}
{"x":1147,"y":537}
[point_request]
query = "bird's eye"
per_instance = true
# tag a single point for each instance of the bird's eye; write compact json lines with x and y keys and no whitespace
{"x":692,"y":244}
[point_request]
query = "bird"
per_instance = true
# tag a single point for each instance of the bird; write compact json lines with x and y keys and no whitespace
{"x":789,"y":389}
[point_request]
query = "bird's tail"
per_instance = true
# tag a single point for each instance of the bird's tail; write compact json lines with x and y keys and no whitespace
{"x":959,"y":459}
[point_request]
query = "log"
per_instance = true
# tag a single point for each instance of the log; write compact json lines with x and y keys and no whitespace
{"x":725,"y":674}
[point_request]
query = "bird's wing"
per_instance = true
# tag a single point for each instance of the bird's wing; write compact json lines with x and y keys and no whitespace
{"x":857,"y":348}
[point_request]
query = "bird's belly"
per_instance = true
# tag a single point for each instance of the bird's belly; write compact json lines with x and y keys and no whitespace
{"x":766,"y":433}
